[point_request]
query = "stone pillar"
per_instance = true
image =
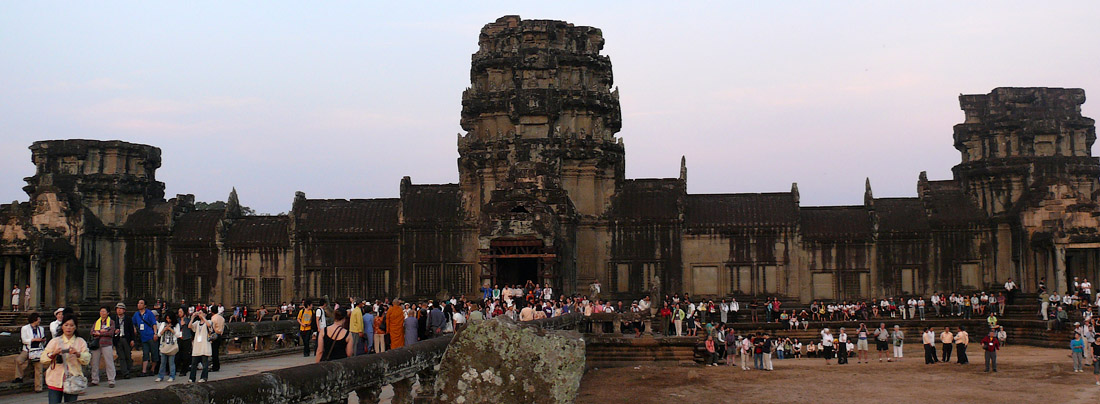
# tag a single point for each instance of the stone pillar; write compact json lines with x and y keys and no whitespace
{"x":617,"y":324}
{"x":369,"y":395}
{"x":36,"y":286}
{"x":8,"y":275}
{"x":426,"y":379}
{"x":1060,"y":268}
{"x":403,"y":391}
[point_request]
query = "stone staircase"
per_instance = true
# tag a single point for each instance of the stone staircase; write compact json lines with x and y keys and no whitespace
{"x":604,"y":351}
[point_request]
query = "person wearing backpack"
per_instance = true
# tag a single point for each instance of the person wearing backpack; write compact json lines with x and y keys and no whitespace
{"x":305,"y":326}
{"x":66,"y":356}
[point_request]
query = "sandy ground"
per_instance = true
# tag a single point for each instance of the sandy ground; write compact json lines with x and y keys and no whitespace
{"x":1026,"y":375}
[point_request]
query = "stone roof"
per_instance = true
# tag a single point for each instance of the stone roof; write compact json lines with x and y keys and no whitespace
{"x":435,"y":203}
{"x":836,"y":223}
{"x":901,"y":215}
{"x":348,"y":216}
{"x":197,"y":227}
{"x":648,"y":199}
{"x":149,"y":220}
{"x":951,"y":207}
{"x":741,"y":210}
{"x":259,"y":231}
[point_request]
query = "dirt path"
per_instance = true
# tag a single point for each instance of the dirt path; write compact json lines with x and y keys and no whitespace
{"x":1027,"y":375}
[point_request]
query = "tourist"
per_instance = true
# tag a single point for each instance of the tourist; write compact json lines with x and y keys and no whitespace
{"x":712,"y":353}
{"x":123,"y":340}
{"x":766,"y":351}
{"x":460,"y":318}
{"x":797,"y":349}
{"x":72,"y":352}
{"x":55,"y":326}
{"x":678,"y":320}
{"x":827,"y":345}
{"x":169,"y":332}
{"x":355,"y":327}
{"x":929,"y":339}
{"x":732,"y":346}
{"x":366,"y":343}
{"x":305,"y":326}
{"x":216,"y":338}
{"x":412,"y":329}
{"x":15,"y":294}
{"x":1095,"y":346}
{"x":862,"y":354}
{"x":103,"y":332}
{"x":185,"y":341}
{"x":1044,"y":306}
{"x":395,"y":324}
{"x":334,"y":341}
{"x":990,"y":344}
{"x":1077,"y":352}
{"x":842,"y":348}
{"x":882,"y":338}
{"x":145,"y":322}
{"x":380,"y":329}
{"x":200,"y":347}
{"x":948,"y":341}
{"x":962,"y":339}
{"x":33,"y":337}
{"x":747,"y":350}
{"x":898,"y":340}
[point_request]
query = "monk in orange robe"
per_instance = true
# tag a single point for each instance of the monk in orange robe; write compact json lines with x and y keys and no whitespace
{"x":395,"y":324}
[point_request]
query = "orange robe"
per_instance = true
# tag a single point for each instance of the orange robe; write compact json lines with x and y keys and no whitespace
{"x":395,"y":327}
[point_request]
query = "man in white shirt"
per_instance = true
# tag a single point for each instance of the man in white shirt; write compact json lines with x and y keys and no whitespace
{"x":929,"y":340}
{"x":1010,"y":291}
{"x":33,"y":337}
{"x":723,"y":311}
{"x":547,"y":293}
{"x":912,"y":303}
{"x":936,"y":304}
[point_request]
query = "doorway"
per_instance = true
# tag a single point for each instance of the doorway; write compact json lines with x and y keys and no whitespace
{"x":517,"y":271}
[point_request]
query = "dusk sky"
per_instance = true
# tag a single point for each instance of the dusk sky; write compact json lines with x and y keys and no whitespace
{"x":340,"y":100}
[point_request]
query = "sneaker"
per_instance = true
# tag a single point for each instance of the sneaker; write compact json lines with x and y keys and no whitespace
{"x":171,"y":379}
{"x":111,"y":385}
{"x":202,"y":380}
{"x":1098,"y":383}
{"x":158,"y":379}
{"x":192,"y":381}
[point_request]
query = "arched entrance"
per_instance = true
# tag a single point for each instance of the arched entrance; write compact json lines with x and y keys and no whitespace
{"x":516,"y":261}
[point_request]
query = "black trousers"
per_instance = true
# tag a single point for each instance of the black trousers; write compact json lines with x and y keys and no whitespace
{"x":305,"y":336}
{"x":929,"y":354}
{"x":960,"y":353}
{"x":125,"y":360}
{"x":947,"y":352}
{"x":183,"y":358}
{"x":842,"y":353}
{"x":216,"y":359}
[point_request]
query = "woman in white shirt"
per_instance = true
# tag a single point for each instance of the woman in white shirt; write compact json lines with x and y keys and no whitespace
{"x":827,"y":345}
{"x":169,"y":332}
{"x":201,"y":350}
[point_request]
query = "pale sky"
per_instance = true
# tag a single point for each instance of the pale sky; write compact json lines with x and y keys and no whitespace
{"x":340,"y":100}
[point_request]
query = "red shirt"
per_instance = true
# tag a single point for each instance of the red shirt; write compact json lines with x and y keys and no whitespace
{"x":991,"y":344}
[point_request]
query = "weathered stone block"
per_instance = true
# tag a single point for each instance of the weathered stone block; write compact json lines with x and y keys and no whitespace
{"x":499,"y":361}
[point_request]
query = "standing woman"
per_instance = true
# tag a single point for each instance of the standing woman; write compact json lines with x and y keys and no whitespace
{"x":104,"y":331}
{"x":898,"y":341}
{"x":201,"y":349}
{"x":842,"y":348}
{"x":333,"y":343}
{"x":65,"y":356}
{"x":1077,"y":352}
{"x":827,"y":345}
{"x":169,"y":332}
{"x":380,"y":331}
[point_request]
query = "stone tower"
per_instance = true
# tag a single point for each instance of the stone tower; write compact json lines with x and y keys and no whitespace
{"x":539,"y":156}
{"x":1014,"y":138}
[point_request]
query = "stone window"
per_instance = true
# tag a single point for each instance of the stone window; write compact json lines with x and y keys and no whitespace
{"x":246,"y":291}
{"x":378,"y":281}
{"x":271,"y":290}
{"x":456,"y":278}
{"x":143,"y":284}
{"x":427,"y":278}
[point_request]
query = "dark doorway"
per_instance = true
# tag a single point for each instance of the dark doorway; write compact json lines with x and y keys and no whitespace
{"x":517,"y":271}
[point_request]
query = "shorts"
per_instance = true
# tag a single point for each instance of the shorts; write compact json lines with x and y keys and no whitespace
{"x":861,"y":345}
{"x":1096,"y":366}
{"x":149,"y":351}
{"x":881,"y":345}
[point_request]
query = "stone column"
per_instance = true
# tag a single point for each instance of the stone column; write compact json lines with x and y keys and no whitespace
{"x":36,"y":286}
{"x":426,"y":393}
{"x":8,"y":275}
{"x":369,"y":395}
{"x":1060,"y":268}
{"x":403,"y":391}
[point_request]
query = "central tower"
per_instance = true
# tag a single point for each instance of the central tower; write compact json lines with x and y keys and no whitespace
{"x":539,"y":156}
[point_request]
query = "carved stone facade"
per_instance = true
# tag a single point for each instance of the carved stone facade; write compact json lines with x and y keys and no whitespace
{"x":542,"y":196}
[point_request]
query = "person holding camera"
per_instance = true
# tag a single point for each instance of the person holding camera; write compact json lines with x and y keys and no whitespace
{"x":201,"y":349}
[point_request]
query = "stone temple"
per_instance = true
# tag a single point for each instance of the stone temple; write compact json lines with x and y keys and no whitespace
{"x":542,"y":196}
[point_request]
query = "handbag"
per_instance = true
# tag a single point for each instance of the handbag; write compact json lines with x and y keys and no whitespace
{"x":71,"y":383}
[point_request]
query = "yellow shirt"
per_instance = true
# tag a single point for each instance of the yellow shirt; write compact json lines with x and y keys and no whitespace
{"x":306,"y":319}
{"x":355,"y":323}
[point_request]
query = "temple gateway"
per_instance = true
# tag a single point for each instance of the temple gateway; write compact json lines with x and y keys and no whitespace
{"x":542,"y":196}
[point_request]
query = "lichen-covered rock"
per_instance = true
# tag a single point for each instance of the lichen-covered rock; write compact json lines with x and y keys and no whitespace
{"x":498,"y":361}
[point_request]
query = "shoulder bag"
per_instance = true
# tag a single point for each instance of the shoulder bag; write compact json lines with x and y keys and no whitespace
{"x":71,"y":383}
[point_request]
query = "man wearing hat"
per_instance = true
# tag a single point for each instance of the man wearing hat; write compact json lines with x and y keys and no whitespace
{"x":55,"y":326}
{"x":124,"y":339}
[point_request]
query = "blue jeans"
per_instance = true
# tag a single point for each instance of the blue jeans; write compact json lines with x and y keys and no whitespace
{"x":167,"y":363}
{"x":780,"y":354}
{"x":758,"y":361}
{"x":60,"y":397}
